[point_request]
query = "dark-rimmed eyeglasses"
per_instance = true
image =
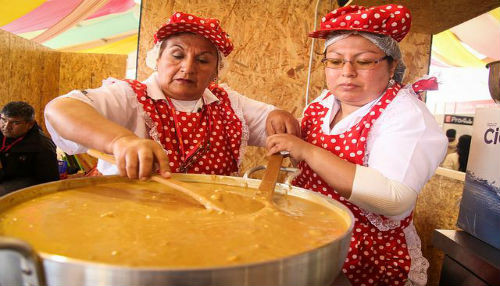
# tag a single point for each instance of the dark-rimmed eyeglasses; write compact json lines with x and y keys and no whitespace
{"x":358,"y":64}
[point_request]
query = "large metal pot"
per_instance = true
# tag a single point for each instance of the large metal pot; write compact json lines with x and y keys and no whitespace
{"x":20,"y":265}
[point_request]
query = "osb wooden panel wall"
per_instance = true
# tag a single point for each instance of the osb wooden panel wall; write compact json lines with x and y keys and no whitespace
{"x":33,"y":73}
{"x":437,"y":208}
{"x":81,"y":71}
{"x":29,"y":72}
{"x":271,"y":55}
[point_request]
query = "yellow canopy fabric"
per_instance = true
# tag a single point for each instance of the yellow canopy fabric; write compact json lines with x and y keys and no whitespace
{"x":448,"y":47}
{"x":85,"y":9}
{"x":123,"y":46}
{"x":10,"y":10}
{"x":495,"y":13}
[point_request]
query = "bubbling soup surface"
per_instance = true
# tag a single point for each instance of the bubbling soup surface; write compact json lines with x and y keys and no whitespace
{"x":146,"y":224}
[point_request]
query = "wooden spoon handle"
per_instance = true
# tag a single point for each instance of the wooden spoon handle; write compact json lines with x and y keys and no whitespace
{"x":181,"y":187}
{"x":172,"y":183}
{"x":103,"y":156}
{"x":266,"y":187}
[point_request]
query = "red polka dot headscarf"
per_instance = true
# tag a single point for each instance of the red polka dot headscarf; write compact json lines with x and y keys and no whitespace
{"x":391,"y":20}
{"x":205,"y":27}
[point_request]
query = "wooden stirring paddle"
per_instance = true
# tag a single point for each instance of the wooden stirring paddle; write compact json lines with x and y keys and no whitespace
{"x":266,"y":187}
{"x":185,"y":188}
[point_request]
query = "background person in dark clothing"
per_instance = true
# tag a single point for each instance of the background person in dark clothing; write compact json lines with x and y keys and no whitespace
{"x":463,"y":147}
{"x":452,"y":143}
{"x":27,"y":156}
{"x":458,"y":159}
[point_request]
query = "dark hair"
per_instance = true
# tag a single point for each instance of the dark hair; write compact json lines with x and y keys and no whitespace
{"x":19,"y":109}
{"x":451,"y":133}
{"x":162,"y":47}
{"x":463,"y":147}
{"x":389,"y":59}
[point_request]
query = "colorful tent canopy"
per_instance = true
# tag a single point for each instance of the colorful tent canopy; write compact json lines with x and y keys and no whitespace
{"x":12,"y":10}
{"x":470,"y":44}
{"x":52,"y":11}
{"x":126,"y":45}
{"x":72,"y":24}
{"x":448,"y":47}
{"x":475,"y":31}
{"x":98,"y":30}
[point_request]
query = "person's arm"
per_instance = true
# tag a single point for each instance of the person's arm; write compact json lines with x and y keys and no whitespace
{"x":392,"y":198}
{"x":404,"y":154}
{"x":336,"y":172}
{"x":79,"y":122}
{"x":83,"y":123}
{"x":363,"y":186}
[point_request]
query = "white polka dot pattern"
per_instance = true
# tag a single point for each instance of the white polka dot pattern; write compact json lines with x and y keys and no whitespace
{"x":390,"y":20}
{"x":205,"y":27}
{"x":375,"y":257}
{"x":225,"y":137}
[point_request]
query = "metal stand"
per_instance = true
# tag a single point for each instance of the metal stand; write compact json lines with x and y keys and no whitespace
{"x":468,"y":260}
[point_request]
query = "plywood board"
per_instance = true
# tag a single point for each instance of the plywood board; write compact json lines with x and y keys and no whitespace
{"x":29,"y":72}
{"x":81,"y":71}
{"x":35,"y":74}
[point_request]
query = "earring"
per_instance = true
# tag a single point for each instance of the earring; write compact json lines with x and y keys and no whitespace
{"x":391,"y":82}
{"x":156,"y":68}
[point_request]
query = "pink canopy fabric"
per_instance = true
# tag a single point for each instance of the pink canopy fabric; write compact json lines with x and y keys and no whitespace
{"x":482,"y":34}
{"x":52,"y":11}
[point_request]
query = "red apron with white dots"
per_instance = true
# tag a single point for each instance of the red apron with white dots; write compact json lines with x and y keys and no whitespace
{"x":205,"y":142}
{"x":378,"y":254}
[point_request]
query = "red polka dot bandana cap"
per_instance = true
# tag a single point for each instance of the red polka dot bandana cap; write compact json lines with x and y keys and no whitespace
{"x":390,"y":20}
{"x":205,"y":27}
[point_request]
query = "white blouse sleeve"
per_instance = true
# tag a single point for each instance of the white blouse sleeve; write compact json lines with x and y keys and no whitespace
{"x":392,"y":198}
{"x":254,"y":113}
{"x":406,"y":144}
{"x":114,"y":100}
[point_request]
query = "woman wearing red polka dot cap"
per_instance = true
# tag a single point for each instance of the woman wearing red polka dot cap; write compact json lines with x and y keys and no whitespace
{"x":369,"y":142}
{"x":178,"y":118}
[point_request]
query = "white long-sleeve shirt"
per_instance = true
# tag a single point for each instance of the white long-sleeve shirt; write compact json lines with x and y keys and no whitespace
{"x":404,"y":147}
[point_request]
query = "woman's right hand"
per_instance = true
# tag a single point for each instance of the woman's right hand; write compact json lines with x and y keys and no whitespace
{"x":297,"y":147}
{"x":137,"y":157}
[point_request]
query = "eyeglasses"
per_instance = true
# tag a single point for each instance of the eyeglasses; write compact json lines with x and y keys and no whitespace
{"x":358,"y":64}
{"x":11,"y":122}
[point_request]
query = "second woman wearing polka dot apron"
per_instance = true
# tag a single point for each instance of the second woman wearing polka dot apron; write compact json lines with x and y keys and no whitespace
{"x":178,"y":118}
{"x":369,"y":142}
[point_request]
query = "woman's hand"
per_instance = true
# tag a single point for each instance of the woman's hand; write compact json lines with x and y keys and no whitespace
{"x":136,"y":157}
{"x":280,"y":121}
{"x":297,"y":147}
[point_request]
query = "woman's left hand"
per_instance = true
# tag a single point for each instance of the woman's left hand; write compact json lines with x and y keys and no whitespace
{"x":280,"y":121}
{"x":297,"y":147}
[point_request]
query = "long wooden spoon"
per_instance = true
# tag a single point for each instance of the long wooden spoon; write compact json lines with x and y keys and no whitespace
{"x":267,"y":186}
{"x":183,"y":187}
